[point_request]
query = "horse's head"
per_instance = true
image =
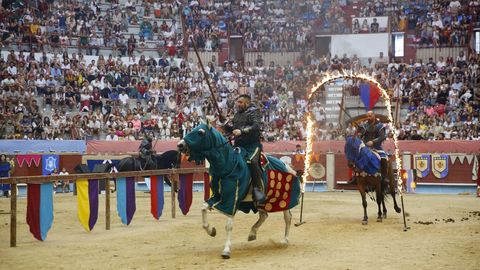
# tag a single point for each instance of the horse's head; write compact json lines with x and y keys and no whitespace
{"x":168,"y":159}
{"x":200,"y":141}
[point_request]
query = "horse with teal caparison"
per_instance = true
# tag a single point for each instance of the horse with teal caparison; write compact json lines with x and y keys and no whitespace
{"x":231,"y":182}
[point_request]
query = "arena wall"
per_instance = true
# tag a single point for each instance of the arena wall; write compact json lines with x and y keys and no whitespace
{"x":460,"y":172}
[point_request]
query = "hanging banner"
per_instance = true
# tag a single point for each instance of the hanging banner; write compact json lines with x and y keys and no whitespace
{"x":453,"y":158}
{"x":4,"y":172}
{"x":50,"y":163}
{"x":185,"y":192}
{"x":40,"y":209}
{"x":470,"y":159}
{"x":422,"y":164}
{"x":29,"y":159}
{"x":440,"y":165}
{"x":156,"y":196}
{"x":475,"y":169}
{"x":87,"y":203}
{"x":411,"y":185}
{"x":126,"y":205}
{"x":461,"y":158}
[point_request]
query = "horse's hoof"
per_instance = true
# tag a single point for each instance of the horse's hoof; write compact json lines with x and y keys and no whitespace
{"x":384,"y":216}
{"x":379,"y":219}
{"x":398,"y":210}
{"x":226,"y":255}
{"x":284,"y":242}
{"x":214,"y":232}
{"x":252,"y":237}
{"x":364,"y":222}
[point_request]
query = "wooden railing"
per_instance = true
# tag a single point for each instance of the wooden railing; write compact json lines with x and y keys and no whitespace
{"x":174,"y":173}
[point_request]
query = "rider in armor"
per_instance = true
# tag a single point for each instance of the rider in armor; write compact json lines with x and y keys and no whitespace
{"x":372,"y":132}
{"x":245,"y":127}
{"x":146,"y":148}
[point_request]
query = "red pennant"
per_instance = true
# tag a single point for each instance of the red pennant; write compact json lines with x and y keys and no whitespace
{"x":29,"y":158}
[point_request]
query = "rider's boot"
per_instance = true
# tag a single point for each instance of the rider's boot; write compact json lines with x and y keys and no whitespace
{"x":256,"y":174}
{"x":353,"y":181}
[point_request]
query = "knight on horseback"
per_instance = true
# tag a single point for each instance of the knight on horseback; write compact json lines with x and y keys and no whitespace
{"x":372,"y":132}
{"x":146,"y":149}
{"x":245,"y":128}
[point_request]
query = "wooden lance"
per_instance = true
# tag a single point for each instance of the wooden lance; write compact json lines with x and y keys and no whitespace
{"x":207,"y":78}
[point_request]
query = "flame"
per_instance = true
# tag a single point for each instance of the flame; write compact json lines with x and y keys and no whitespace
{"x":346,"y":74}
{"x":309,"y":150}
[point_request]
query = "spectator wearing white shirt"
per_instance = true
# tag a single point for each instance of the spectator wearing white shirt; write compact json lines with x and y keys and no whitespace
{"x":65,"y":183}
{"x":111,"y":136}
{"x":9,"y":81}
{"x":93,"y":44}
{"x":41,"y":85}
{"x":12,"y":69}
{"x":123,"y":97}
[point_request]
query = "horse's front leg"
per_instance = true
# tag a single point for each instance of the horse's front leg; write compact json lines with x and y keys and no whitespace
{"x":228,"y":227}
{"x":384,"y":209}
{"x":287,"y":216}
{"x":262,"y":216}
{"x":209,"y":229}
{"x":361,"y":189}
{"x":379,"y":203}
{"x":384,"y":187}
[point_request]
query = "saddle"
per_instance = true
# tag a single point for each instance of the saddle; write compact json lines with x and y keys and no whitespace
{"x":143,"y":161}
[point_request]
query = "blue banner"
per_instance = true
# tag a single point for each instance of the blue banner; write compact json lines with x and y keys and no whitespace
{"x":440,"y":165}
{"x":411,"y":185}
{"x":422,"y":164}
{"x":50,"y":163}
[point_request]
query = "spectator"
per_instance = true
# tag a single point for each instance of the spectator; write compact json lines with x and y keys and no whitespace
{"x":65,"y":183}
{"x":374,"y":26}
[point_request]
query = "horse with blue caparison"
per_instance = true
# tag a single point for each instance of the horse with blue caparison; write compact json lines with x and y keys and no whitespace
{"x":365,"y":163}
{"x":231,"y":182}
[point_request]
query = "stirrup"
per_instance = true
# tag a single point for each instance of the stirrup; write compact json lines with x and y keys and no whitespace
{"x":258,"y":196}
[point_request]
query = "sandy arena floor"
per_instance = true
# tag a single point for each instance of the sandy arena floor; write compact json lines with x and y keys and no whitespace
{"x":332,"y":238}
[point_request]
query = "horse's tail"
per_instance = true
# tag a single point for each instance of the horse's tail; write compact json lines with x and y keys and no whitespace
{"x":384,"y":188}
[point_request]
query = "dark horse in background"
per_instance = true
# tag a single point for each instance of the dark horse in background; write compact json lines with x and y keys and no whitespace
{"x":167,"y":160}
{"x":365,"y":164}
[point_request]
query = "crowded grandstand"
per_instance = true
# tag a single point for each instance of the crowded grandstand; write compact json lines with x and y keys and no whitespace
{"x":117,"y":70}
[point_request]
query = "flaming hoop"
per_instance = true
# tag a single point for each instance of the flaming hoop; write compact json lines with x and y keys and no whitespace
{"x":311,"y":122}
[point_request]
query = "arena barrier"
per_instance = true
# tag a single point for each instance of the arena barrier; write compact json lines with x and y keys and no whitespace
{"x":136,"y":175}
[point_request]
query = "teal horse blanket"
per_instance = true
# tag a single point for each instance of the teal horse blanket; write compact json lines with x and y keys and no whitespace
{"x":228,"y":192}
